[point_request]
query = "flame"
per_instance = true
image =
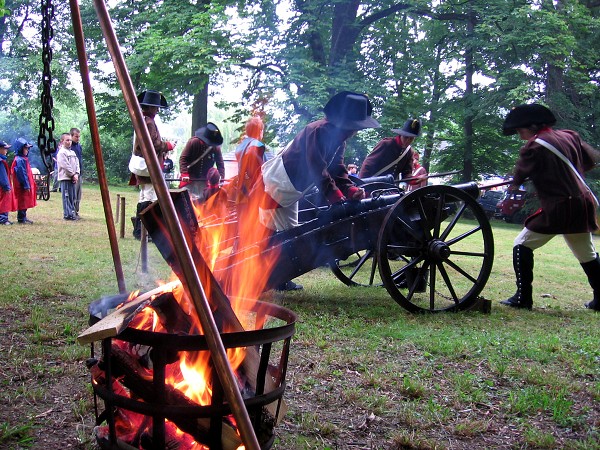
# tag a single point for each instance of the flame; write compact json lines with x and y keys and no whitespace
{"x":238,"y":247}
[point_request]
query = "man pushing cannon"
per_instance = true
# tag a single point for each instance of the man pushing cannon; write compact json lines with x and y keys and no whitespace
{"x":315,"y":158}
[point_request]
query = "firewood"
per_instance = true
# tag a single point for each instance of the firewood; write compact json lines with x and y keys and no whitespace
{"x":118,"y":320}
{"x":138,"y":380}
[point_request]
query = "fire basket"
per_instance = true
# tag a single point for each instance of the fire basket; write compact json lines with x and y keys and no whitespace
{"x":144,"y":410}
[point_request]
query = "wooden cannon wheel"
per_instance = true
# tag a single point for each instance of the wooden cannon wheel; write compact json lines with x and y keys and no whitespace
{"x":359,"y":269}
{"x":435,"y":250}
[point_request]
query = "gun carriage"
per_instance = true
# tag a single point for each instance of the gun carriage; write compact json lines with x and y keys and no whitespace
{"x":432,"y":248}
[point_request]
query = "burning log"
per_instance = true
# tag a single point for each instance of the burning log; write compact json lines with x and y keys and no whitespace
{"x":137,"y":378}
{"x":117,"y":321}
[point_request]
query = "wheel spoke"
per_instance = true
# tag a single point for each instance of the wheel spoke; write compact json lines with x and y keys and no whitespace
{"x":461,"y":271}
{"x":449,"y":285}
{"x":460,"y":237}
{"x":482,"y":255}
{"x":453,"y":222}
{"x":438,"y":216}
{"x":423,"y":218}
{"x":361,"y":262}
{"x":432,"y":288}
{"x":373,"y":270}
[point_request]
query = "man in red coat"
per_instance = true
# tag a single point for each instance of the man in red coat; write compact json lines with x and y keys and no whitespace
{"x":7,"y":199}
{"x":554,"y":161}
{"x":23,"y":182}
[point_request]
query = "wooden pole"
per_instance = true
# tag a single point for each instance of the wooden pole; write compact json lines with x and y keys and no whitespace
{"x":122,"y":226}
{"x":191,"y":281}
{"x":118,"y":208}
{"x":93,"y":123}
{"x":144,"y":249}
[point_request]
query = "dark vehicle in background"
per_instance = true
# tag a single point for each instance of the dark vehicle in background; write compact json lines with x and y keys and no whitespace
{"x":512,"y":207}
{"x":489,"y":200}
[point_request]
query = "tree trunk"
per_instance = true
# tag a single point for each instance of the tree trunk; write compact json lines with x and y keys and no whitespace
{"x":468,"y":99}
{"x":200,"y":109}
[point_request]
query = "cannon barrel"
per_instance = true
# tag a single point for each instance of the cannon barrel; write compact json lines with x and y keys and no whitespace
{"x":470,"y":187}
{"x":386,"y":179}
{"x":327,"y":214}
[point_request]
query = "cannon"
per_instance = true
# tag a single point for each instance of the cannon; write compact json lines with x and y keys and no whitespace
{"x":432,"y":248}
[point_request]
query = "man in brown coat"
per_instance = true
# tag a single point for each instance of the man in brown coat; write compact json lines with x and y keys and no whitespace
{"x":394,"y":155}
{"x":554,"y":161}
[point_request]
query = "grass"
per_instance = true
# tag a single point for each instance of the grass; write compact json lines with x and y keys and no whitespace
{"x":363,"y":372}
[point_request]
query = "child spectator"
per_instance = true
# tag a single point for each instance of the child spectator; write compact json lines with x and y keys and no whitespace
{"x":7,"y":199}
{"x":25,"y":189}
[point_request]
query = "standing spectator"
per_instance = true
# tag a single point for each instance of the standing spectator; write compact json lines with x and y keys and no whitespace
{"x":68,"y":174}
{"x":201,"y":153}
{"x":7,"y":199}
{"x":24,"y":185}
{"x":393,"y":155}
{"x":554,"y":161}
{"x":76,"y":147}
{"x":150,"y":102}
{"x":419,"y":173}
{"x":353,"y":170}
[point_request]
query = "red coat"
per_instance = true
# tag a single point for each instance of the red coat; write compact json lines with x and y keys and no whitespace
{"x":566,"y":206}
{"x":22,"y":178}
{"x":7,"y":198}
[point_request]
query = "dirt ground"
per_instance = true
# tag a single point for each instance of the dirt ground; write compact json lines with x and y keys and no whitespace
{"x":53,"y":398}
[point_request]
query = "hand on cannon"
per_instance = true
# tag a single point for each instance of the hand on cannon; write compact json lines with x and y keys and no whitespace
{"x":356,"y":193}
{"x":185,"y":180}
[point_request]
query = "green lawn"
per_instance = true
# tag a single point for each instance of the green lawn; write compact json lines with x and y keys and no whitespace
{"x":363,"y":372}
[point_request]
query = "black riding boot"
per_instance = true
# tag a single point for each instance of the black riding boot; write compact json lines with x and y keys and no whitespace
{"x":137,"y":226}
{"x":523,"y":266}
{"x":592,"y":270}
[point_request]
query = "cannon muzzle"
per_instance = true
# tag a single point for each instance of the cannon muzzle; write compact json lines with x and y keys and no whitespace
{"x":469,"y":187}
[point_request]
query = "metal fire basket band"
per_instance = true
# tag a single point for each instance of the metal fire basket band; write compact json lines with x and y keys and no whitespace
{"x":162,"y":348}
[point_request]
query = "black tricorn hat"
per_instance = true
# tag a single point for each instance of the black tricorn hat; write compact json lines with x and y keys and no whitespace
{"x":350,"y":111}
{"x":210,"y":134}
{"x":152,"y":98}
{"x":411,"y":128}
{"x":524,"y":116}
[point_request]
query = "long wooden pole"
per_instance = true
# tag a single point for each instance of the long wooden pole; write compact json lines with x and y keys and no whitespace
{"x":93,"y":124}
{"x":191,"y":281}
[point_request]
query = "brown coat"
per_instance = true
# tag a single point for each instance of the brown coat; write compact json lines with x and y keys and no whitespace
{"x":385,"y":153}
{"x":566,"y":206}
{"x":316,"y":157}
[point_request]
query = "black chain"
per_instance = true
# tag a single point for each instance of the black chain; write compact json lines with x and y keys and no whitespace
{"x":46,"y":141}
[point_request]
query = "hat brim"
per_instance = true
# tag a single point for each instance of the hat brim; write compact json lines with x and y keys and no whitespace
{"x":356,"y":125}
{"x":403,"y":133}
{"x":206,"y":140}
{"x":509,"y":131}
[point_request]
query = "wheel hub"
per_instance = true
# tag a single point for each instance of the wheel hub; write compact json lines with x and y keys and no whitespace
{"x":439,"y":250}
